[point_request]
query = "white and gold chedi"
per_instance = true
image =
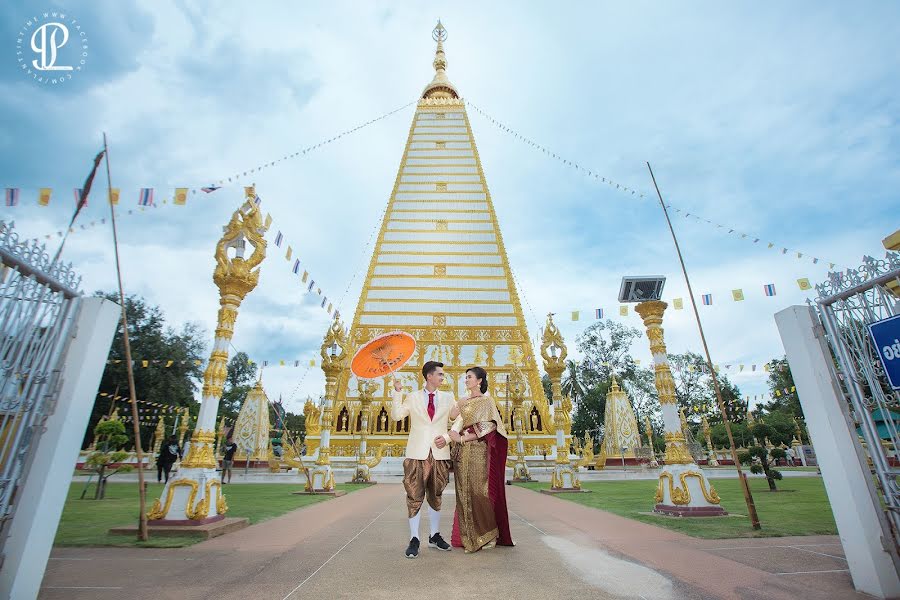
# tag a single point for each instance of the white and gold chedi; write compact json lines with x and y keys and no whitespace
{"x":439,"y":271}
{"x":620,"y":426}
{"x":251,"y":429}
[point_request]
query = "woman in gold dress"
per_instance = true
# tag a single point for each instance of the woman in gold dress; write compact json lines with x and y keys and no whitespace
{"x":479,"y":467}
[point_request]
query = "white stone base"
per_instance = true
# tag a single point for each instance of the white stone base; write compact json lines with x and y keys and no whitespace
{"x":685,"y":491}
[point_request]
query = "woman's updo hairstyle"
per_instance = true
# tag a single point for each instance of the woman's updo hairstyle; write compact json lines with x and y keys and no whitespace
{"x":481,"y":374}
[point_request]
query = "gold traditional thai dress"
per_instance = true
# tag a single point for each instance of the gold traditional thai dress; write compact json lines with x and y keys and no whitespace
{"x":479,"y":466}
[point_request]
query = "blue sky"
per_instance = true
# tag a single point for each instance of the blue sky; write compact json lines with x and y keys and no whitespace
{"x":779,"y":122}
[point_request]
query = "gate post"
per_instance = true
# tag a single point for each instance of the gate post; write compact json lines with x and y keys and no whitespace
{"x":848,"y":483}
{"x":39,"y":502}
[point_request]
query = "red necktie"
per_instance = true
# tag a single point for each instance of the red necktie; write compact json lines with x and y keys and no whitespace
{"x":431,"y":405}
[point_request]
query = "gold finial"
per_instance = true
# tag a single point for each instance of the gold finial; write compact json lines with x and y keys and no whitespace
{"x":440,"y":86}
{"x":615,"y":384}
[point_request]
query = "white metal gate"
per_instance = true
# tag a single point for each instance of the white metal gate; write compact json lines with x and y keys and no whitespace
{"x":848,"y":302}
{"x":35,"y":300}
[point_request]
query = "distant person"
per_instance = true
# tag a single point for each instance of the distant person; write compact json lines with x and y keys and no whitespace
{"x":169,"y":452}
{"x":228,"y":459}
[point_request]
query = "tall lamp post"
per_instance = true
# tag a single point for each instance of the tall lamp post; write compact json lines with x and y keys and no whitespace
{"x":187,"y":498}
{"x":553,"y":351}
{"x":334,"y":360}
{"x":683,"y":488}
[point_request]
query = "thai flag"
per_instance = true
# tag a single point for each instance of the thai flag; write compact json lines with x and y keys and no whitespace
{"x":12,"y":196}
{"x":257,"y":200}
{"x":278,"y":239}
{"x":598,"y":313}
{"x":707,"y":299}
{"x":296,"y":268}
{"x":312,"y":282}
{"x":146,"y":197}
{"x":770,"y":289}
{"x":324,"y":300}
{"x":211,"y":188}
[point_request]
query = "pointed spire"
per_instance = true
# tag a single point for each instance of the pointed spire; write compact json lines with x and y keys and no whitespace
{"x":615,"y":384}
{"x":440,"y":86}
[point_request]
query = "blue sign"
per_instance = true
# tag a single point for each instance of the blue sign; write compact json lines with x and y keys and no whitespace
{"x":886,"y":337}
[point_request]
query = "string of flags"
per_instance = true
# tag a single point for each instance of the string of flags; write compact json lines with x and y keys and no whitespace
{"x":631,"y":191}
{"x":736,"y":295}
{"x":147,"y":196}
{"x":168,"y":363}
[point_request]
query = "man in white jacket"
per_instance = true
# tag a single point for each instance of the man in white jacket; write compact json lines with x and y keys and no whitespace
{"x":426,"y":468}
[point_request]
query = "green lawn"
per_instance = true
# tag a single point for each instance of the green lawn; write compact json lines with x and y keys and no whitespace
{"x":800,"y":507}
{"x":86,"y":522}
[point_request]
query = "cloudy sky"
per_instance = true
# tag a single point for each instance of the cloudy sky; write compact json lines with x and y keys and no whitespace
{"x":780,"y":123}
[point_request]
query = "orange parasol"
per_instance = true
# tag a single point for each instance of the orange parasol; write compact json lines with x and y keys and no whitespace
{"x":383,"y":355}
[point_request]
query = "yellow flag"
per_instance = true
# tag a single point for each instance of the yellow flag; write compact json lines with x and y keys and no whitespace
{"x":766,"y":367}
{"x":44,"y":196}
{"x":575,"y":315}
{"x":738,"y":295}
{"x":305,"y":276}
{"x":169,"y":363}
{"x":637,"y":361}
{"x":678,"y":303}
{"x":268,"y":220}
{"x":114,"y":196}
{"x":804,"y":284}
{"x":145,"y":363}
{"x":623,"y":310}
{"x":329,"y":308}
{"x":181,"y":196}
{"x":312,"y":362}
{"x":281,"y":363}
{"x":290,"y":251}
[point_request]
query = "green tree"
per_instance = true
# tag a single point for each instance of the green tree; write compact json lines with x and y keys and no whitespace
{"x":590,"y":412}
{"x":606,"y":347}
{"x":110,"y":436}
{"x":760,"y":459}
{"x":571,"y":381}
{"x":171,"y":376}
{"x":239,"y":380}
{"x":781,"y":379}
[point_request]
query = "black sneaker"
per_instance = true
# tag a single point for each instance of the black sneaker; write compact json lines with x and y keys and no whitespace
{"x":412,"y":550}
{"x":436,"y":541}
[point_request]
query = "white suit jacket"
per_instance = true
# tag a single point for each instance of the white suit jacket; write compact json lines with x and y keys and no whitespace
{"x":423,"y":430}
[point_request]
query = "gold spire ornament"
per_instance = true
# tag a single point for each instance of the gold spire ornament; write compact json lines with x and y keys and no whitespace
{"x":236,"y":276}
{"x":440,"y":86}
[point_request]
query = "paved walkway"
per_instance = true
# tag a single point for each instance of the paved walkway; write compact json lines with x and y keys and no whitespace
{"x":352,"y":547}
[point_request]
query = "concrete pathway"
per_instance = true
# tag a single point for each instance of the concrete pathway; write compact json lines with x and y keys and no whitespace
{"x":352,"y":547}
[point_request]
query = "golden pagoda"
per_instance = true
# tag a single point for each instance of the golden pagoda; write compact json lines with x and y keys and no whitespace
{"x":440,"y":272}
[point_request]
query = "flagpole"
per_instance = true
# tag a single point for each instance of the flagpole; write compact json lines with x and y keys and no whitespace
{"x":748,"y":497}
{"x":143,"y":533}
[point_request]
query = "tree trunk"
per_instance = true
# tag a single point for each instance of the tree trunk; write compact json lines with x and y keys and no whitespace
{"x":97,"y":495}
{"x":769,"y":477}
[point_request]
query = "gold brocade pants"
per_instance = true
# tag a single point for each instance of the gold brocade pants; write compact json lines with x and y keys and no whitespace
{"x":424,"y":479}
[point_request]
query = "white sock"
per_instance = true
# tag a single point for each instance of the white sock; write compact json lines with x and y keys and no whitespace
{"x":434,"y":519}
{"x":414,"y":525}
